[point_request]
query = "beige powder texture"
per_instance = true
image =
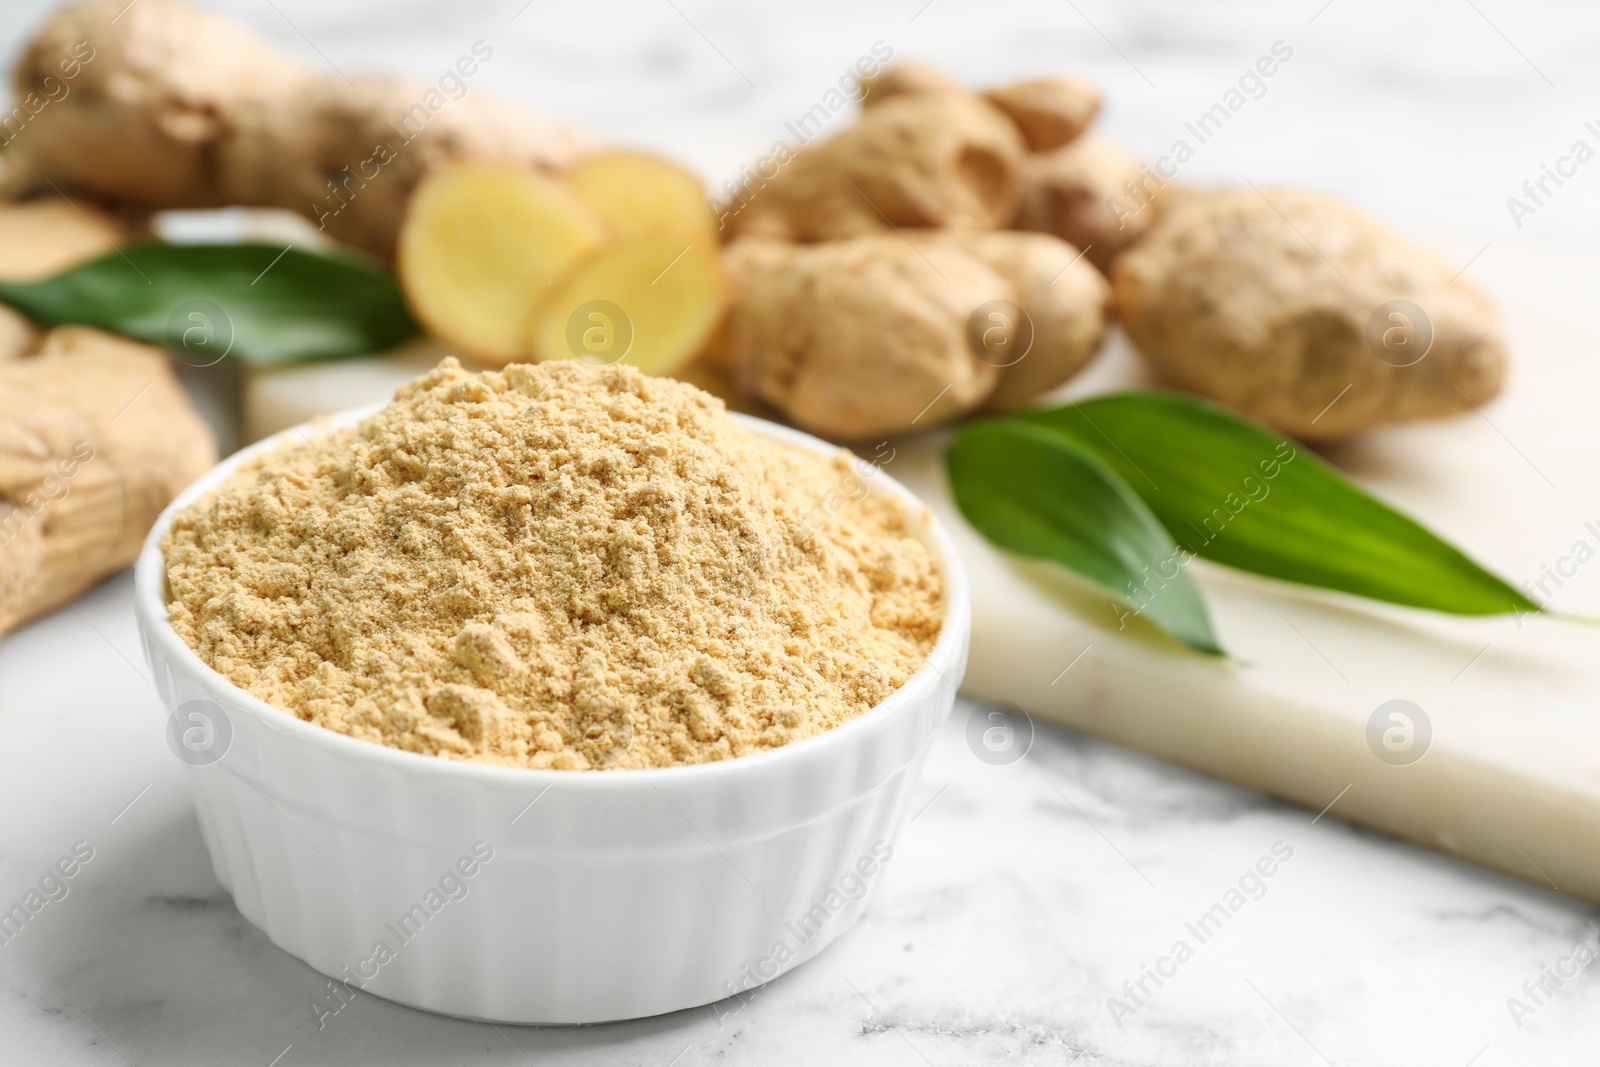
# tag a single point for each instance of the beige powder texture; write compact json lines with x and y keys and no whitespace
{"x":555,"y":566}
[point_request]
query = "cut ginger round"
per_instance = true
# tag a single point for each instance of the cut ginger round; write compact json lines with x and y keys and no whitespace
{"x":482,"y":246}
{"x":639,"y":195}
{"x":651,"y":302}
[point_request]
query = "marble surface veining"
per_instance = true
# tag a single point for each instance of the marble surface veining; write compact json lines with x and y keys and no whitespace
{"x":1028,"y":905}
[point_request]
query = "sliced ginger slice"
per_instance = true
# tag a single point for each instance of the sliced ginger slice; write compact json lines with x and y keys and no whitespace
{"x":651,"y":302}
{"x":638,"y":194}
{"x":481,"y":247}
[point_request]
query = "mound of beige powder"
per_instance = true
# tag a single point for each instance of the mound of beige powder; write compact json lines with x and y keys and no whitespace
{"x":555,"y":566}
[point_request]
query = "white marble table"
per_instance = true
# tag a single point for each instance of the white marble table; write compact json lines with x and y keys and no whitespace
{"x":1019,"y":900}
{"x":1022,"y":897}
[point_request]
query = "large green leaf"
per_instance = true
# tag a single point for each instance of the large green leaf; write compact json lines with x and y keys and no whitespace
{"x":1234,"y":492}
{"x":1040,"y":494}
{"x":257,"y":302}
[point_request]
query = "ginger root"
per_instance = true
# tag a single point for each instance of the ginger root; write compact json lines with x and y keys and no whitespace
{"x":1300,"y":311}
{"x":17,"y":333}
{"x":915,"y":159}
{"x":906,"y":76}
{"x":170,"y":106}
{"x":96,"y":437}
{"x":878,"y":336}
{"x":1090,"y":194}
{"x":40,"y":238}
{"x":927,"y":153}
{"x":1065,"y":300}
{"x":1048,"y":111}
{"x":859,"y":339}
{"x":1051,"y":111}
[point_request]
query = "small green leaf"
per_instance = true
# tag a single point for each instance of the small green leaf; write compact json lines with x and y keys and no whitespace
{"x":257,"y":302}
{"x":1237,"y":493}
{"x":1040,"y":494}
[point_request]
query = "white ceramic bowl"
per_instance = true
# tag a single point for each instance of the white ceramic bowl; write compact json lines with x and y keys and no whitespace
{"x":530,"y":896}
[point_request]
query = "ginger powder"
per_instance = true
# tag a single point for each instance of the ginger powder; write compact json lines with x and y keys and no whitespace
{"x":555,"y":566}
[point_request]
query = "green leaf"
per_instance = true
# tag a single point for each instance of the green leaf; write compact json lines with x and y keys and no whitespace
{"x":1237,"y":493}
{"x":257,"y":302}
{"x":1040,"y":494}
